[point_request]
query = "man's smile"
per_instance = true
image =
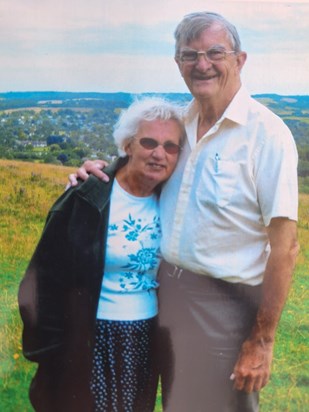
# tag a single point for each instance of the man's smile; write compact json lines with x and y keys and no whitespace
{"x":205,"y":77}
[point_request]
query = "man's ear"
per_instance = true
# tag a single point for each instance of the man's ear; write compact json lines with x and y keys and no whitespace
{"x":241,"y":58}
{"x":179,"y":64}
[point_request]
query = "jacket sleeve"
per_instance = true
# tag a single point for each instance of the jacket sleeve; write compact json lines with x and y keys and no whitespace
{"x":43,"y":290}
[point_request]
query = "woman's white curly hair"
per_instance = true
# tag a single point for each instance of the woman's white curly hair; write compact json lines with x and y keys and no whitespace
{"x":151,"y":108}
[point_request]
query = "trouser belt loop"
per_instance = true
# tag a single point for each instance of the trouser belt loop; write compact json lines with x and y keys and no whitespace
{"x":175,"y":272}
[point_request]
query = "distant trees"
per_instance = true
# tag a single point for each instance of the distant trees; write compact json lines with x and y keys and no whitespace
{"x":53,"y":139}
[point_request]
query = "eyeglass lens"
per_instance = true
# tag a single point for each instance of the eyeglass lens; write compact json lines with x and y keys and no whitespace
{"x":150,"y":144}
{"x":213,"y":54}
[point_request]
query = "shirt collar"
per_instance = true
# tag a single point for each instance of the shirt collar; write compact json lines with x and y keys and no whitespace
{"x":237,"y":110}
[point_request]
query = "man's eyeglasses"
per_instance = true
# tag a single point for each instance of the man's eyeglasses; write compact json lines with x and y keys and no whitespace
{"x":213,"y":55}
{"x":149,"y":143}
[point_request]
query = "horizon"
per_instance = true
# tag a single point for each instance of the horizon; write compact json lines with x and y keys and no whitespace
{"x":105,"y":48}
{"x":134,"y":93}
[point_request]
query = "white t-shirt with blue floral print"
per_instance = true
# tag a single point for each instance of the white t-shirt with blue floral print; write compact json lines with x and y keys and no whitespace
{"x":132,"y":258}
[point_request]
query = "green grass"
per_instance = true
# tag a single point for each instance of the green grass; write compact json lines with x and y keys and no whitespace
{"x":27,"y":191}
{"x":299,"y":118}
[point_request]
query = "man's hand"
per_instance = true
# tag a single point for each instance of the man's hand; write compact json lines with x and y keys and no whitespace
{"x":93,"y":167}
{"x":252,"y":369}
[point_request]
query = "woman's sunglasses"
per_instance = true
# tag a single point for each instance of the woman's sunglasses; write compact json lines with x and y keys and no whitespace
{"x":149,"y":143}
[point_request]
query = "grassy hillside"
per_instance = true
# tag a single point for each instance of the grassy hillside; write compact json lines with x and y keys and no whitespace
{"x":27,"y":190}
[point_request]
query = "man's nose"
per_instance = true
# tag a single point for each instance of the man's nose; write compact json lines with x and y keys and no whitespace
{"x":202,"y":62}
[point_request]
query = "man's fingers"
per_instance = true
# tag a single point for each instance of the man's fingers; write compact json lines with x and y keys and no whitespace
{"x":258,"y":384}
{"x":82,"y":173}
{"x":98,"y":173}
{"x":100,"y":163}
{"x":250,"y":382}
{"x":264,"y":380}
{"x":239,"y":383}
{"x":94,"y":168}
{"x":72,"y":180}
{"x":89,"y":167}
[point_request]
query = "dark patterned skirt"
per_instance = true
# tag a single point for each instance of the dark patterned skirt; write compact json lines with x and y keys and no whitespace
{"x":125,"y":368}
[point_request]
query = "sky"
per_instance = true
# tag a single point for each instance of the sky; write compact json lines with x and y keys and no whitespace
{"x":128,"y":45}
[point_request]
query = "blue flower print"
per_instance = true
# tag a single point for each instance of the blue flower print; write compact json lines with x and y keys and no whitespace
{"x":140,"y":251}
{"x":135,"y":229}
{"x":132,"y":236}
{"x":145,"y":259}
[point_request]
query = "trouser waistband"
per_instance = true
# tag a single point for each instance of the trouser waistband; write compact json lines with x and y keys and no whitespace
{"x":212,"y":284}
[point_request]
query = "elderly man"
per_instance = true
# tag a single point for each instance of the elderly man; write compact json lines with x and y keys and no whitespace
{"x":229,"y":241}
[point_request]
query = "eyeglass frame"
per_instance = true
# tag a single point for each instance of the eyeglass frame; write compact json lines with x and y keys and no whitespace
{"x":154,"y":141}
{"x":205,"y":54}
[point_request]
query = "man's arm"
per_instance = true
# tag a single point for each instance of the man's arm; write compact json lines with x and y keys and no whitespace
{"x":93,"y":167}
{"x":252,"y":370}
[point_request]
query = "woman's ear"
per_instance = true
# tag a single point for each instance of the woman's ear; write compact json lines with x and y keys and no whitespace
{"x":127,"y":147}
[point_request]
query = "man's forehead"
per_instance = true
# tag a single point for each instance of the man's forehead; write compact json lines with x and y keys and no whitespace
{"x":215,"y":31}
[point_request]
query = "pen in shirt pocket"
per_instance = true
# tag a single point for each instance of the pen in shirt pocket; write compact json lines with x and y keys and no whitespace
{"x":217,"y":158}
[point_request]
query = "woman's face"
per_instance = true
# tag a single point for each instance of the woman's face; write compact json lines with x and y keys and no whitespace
{"x":154,"y":159}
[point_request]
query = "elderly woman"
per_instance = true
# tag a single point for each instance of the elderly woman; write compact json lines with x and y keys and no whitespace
{"x":88,"y":299}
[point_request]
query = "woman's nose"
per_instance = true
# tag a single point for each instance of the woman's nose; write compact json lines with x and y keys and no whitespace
{"x":159,"y":151}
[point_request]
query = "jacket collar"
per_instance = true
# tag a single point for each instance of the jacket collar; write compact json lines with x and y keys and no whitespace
{"x":95,"y":191}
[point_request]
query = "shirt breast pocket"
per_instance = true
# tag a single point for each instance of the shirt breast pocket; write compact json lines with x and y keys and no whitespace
{"x":225,"y":180}
{"x":219,"y":182}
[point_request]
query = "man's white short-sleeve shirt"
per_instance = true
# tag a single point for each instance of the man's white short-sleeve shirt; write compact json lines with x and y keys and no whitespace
{"x":226,"y":189}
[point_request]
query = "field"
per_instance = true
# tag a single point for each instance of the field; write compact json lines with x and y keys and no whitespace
{"x":27,"y":190}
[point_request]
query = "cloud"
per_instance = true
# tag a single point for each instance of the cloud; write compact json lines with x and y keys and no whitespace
{"x":96,"y":73}
{"x":281,"y":79}
{"x":122,"y":45}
